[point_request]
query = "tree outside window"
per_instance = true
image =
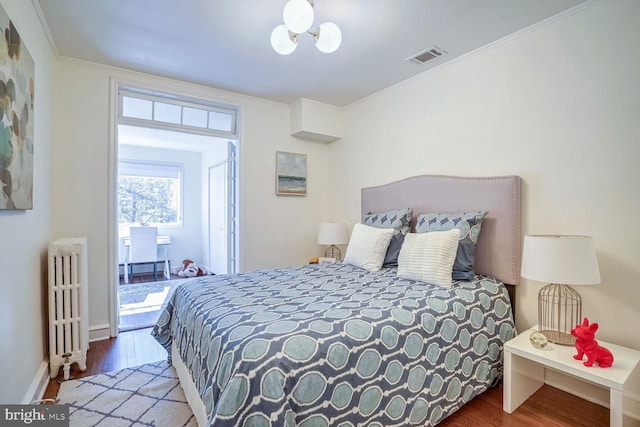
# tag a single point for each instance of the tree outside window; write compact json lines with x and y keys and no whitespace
{"x":148,"y":198}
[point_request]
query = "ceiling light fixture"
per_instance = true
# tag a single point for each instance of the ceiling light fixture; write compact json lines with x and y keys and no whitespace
{"x":298,"y":18}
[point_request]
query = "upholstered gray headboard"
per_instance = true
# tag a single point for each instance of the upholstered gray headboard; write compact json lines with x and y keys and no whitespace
{"x":499,"y":244}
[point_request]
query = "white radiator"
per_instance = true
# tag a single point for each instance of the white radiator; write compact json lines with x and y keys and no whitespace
{"x":68,"y":304}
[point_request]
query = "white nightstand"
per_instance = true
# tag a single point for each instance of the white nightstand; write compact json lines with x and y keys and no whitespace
{"x":524,"y":367}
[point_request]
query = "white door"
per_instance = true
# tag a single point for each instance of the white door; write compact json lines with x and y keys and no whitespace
{"x":222,"y":214}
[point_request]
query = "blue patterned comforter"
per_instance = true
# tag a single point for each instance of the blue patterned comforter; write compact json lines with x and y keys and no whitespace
{"x":335,"y":345}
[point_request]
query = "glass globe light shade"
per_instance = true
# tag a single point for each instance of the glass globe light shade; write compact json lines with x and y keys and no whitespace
{"x":298,"y":16}
{"x":329,"y":37}
{"x":281,"y":41}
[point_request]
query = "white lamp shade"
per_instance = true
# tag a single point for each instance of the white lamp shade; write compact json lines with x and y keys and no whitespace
{"x":281,"y":41}
{"x":329,"y":37}
{"x":298,"y":16}
{"x":567,"y":260}
{"x":332,"y":233}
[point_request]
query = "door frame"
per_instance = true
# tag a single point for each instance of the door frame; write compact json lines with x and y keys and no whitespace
{"x":196,"y":92}
{"x":230,"y":216}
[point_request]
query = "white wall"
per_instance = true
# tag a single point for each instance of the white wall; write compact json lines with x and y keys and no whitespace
{"x":559,"y":106}
{"x":25,"y":234}
{"x":185,"y":238}
{"x":274,"y":231}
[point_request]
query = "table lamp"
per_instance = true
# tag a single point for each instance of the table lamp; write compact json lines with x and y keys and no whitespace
{"x":560,"y":261}
{"x":332,"y":234}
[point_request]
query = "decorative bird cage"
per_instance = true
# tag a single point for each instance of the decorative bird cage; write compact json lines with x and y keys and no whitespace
{"x":559,"y":311}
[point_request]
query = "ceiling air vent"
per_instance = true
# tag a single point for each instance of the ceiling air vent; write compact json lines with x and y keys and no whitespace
{"x":426,"y":55}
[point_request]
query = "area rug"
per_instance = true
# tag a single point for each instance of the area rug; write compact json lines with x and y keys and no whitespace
{"x":138,"y":293}
{"x":146,"y":395}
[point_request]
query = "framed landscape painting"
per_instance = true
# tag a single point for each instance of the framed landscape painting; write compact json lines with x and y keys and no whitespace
{"x":16,"y":118}
{"x":291,"y":174}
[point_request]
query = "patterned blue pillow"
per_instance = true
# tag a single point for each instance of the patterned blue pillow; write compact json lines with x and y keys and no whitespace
{"x":400,"y":221}
{"x":469,"y":224}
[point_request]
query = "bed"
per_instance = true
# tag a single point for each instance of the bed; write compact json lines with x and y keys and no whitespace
{"x":338,"y":345}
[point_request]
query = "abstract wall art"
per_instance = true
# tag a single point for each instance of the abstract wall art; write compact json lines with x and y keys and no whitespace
{"x":16,"y":118}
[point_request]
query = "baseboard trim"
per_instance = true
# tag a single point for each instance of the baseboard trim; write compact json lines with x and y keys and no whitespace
{"x":99,"y":332}
{"x":593,"y":393}
{"x":632,"y":405}
{"x":38,"y":385}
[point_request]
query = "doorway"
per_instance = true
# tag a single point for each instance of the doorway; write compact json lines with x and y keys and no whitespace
{"x":181,"y":181}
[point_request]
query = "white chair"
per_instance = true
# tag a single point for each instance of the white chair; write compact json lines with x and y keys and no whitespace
{"x":143,"y":249}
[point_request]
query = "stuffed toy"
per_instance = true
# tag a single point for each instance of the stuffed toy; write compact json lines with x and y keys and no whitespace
{"x":191,"y":269}
{"x":587,"y":344}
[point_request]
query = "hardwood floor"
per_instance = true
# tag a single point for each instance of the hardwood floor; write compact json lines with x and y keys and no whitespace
{"x":131,"y":348}
{"x":548,"y":407}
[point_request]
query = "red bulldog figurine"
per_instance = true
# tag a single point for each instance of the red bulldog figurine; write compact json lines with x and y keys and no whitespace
{"x":587,"y":344}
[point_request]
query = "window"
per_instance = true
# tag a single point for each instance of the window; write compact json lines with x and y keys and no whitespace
{"x":149,"y":193}
{"x":149,"y":109}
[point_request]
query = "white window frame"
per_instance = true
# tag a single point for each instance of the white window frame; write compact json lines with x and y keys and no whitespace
{"x":162,"y":168}
{"x":166,"y":99}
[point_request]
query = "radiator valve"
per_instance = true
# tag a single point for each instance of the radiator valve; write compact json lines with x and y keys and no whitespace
{"x":67,"y":367}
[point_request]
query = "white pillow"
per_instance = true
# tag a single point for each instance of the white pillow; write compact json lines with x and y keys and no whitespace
{"x":429,"y":257}
{"x":368,"y":246}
